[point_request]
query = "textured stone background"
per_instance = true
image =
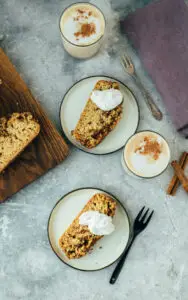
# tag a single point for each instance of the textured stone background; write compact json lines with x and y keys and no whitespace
{"x":157,"y":265}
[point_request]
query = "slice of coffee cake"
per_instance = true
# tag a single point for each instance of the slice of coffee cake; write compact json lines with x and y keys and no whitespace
{"x":77,"y":239}
{"x":94,"y":123}
{"x":16,"y":132}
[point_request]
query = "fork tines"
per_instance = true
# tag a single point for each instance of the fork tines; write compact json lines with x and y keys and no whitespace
{"x":143,"y":219}
{"x":127,"y":64}
{"x":126,"y":60}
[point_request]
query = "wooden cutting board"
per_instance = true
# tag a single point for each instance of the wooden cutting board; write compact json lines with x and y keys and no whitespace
{"x":45,"y":152}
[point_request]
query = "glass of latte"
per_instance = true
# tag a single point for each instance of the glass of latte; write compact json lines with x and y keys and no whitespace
{"x":146,"y":155}
{"x":82,"y":27}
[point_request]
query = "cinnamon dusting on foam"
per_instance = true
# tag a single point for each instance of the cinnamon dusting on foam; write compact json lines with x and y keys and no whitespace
{"x":86,"y":30}
{"x":82,"y":25}
{"x":150,"y":147}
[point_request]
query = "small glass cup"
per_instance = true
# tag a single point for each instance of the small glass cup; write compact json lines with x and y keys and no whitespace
{"x":82,"y":51}
{"x":127,"y":168}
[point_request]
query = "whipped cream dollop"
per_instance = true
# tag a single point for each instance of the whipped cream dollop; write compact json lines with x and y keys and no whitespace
{"x":107,"y":99}
{"x":98,"y":224}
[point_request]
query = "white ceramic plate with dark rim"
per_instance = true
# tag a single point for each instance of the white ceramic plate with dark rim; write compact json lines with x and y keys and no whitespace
{"x":74,"y":102}
{"x":107,"y":250}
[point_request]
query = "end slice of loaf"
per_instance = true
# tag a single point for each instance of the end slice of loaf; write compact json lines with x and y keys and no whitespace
{"x":16,"y":132}
{"x":77,"y":239}
{"x":95,"y":124}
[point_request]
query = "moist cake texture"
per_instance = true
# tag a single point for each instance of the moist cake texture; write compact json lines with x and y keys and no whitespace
{"x":94,"y":123}
{"x":77,"y":239}
{"x":16,"y":132}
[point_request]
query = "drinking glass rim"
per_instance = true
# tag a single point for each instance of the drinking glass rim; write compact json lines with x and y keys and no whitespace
{"x":143,"y":177}
{"x":77,"y":3}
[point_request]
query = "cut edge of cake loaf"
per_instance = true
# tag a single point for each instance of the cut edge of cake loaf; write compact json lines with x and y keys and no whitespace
{"x":77,"y":240}
{"x":94,"y":123}
{"x":17,"y":131}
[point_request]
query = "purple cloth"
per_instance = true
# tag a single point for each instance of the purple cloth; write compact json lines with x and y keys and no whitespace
{"x":159,"y":32}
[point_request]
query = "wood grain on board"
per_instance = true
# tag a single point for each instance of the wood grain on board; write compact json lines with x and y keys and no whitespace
{"x":45,"y":152}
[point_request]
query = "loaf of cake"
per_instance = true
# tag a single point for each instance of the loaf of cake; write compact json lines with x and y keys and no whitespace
{"x":16,"y":132}
{"x":94,"y":123}
{"x":77,"y":239}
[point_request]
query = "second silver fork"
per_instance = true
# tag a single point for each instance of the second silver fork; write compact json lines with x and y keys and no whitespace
{"x":130,"y":69}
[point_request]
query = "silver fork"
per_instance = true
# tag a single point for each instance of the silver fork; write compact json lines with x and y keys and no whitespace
{"x":130,"y":69}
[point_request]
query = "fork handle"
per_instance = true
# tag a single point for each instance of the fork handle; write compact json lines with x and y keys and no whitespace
{"x":157,"y":114}
{"x":120,"y":264}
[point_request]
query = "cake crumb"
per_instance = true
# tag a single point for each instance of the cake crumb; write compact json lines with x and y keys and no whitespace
{"x":90,"y":251}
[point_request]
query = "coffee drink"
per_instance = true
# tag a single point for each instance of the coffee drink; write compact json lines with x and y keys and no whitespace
{"x":146,"y":154}
{"x":82,"y":28}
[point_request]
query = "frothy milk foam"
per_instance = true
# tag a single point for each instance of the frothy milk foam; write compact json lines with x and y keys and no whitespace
{"x":144,"y":162}
{"x":75,"y":17}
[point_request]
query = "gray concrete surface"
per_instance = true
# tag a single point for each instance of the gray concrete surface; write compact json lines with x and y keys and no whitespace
{"x":157,"y":267}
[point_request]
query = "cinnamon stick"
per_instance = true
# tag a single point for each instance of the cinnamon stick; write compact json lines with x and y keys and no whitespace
{"x":174,"y":183}
{"x":180,"y":173}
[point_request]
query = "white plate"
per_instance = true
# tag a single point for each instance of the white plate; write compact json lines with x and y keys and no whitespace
{"x":107,"y":250}
{"x":74,"y":102}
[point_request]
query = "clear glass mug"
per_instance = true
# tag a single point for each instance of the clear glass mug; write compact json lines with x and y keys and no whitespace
{"x":124,"y":158}
{"x":82,"y":51}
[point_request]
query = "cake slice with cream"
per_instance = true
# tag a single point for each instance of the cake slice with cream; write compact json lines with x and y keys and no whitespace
{"x":101,"y":114}
{"x":91,"y":224}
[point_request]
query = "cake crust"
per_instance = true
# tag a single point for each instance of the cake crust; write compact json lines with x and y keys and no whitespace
{"x":77,"y":240}
{"x":95,"y":124}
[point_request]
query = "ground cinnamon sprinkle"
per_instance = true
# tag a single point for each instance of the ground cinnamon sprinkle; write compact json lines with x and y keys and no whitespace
{"x":151,"y":147}
{"x":86,"y":30}
{"x":80,"y":15}
{"x":81,"y":11}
